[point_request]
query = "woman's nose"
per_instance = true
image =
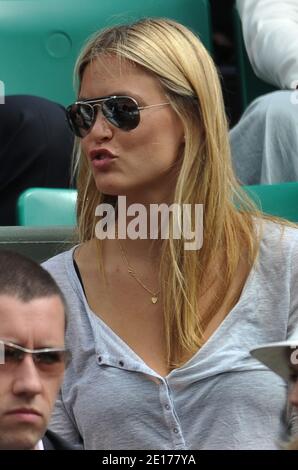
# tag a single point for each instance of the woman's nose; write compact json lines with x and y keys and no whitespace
{"x":102,"y":128}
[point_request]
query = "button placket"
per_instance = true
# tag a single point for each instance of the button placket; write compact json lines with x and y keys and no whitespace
{"x":170,"y":416}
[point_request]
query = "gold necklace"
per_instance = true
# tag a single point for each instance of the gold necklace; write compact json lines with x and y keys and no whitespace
{"x":132,"y":272}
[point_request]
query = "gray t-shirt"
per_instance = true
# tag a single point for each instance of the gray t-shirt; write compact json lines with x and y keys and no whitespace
{"x":222,"y":398}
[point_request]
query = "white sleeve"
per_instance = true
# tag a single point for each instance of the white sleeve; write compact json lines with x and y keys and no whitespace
{"x":270,"y":30}
{"x":63,"y":424}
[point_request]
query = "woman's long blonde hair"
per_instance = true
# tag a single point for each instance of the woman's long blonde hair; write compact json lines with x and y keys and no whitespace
{"x":187,"y":73}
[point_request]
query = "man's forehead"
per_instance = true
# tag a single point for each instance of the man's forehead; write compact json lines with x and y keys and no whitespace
{"x":37,"y":322}
{"x":14,"y":310}
{"x":11,"y":301}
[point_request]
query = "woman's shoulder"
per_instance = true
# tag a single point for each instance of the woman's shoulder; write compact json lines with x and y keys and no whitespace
{"x":275,"y":232}
{"x":61,"y":267}
{"x":59,"y":262}
{"x":279,"y":240}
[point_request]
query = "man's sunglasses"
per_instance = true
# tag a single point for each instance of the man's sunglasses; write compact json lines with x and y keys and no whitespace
{"x":46,"y":359}
{"x":121,"y":111}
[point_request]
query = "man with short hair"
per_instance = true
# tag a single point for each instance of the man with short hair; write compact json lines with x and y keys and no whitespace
{"x":32,"y":353}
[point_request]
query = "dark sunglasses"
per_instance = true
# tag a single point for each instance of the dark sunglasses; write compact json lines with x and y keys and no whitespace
{"x":121,"y":111}
{"x":49,"y":359}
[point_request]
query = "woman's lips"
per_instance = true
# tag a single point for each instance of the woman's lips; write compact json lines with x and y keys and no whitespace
{"x":101,"y":158}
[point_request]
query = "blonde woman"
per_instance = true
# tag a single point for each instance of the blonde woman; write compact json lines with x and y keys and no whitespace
{"x":160,"y":335}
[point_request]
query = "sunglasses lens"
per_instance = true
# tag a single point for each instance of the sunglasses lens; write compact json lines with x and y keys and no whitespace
{"x":51,"y":361}
{"x":12,"y":355}
{"x":81,"y":118}
{"x":122,"y":112}
{"x":49,"y":358}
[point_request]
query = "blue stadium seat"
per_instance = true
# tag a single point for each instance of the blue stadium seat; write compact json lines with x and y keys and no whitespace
{"x":38,"y":243}
{"x":276,"y":199}
{"x":40,"y":39}
{"x":47,"y":206}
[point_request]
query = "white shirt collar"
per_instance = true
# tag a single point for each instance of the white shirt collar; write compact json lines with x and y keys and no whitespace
{"x":39,"y":445}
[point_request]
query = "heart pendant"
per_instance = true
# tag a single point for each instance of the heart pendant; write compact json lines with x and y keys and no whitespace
{"x":154,"y":300}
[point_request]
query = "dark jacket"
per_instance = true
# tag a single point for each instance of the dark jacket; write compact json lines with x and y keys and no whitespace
{"x":52,"y":441}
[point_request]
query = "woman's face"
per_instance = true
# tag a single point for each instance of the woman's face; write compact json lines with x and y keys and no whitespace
{"x":141,"y":163}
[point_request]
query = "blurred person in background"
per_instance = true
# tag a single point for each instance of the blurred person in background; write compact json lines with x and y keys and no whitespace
{"x":265,"y":141}
{"x":35,"y":149}
{"x":282,"y":358}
